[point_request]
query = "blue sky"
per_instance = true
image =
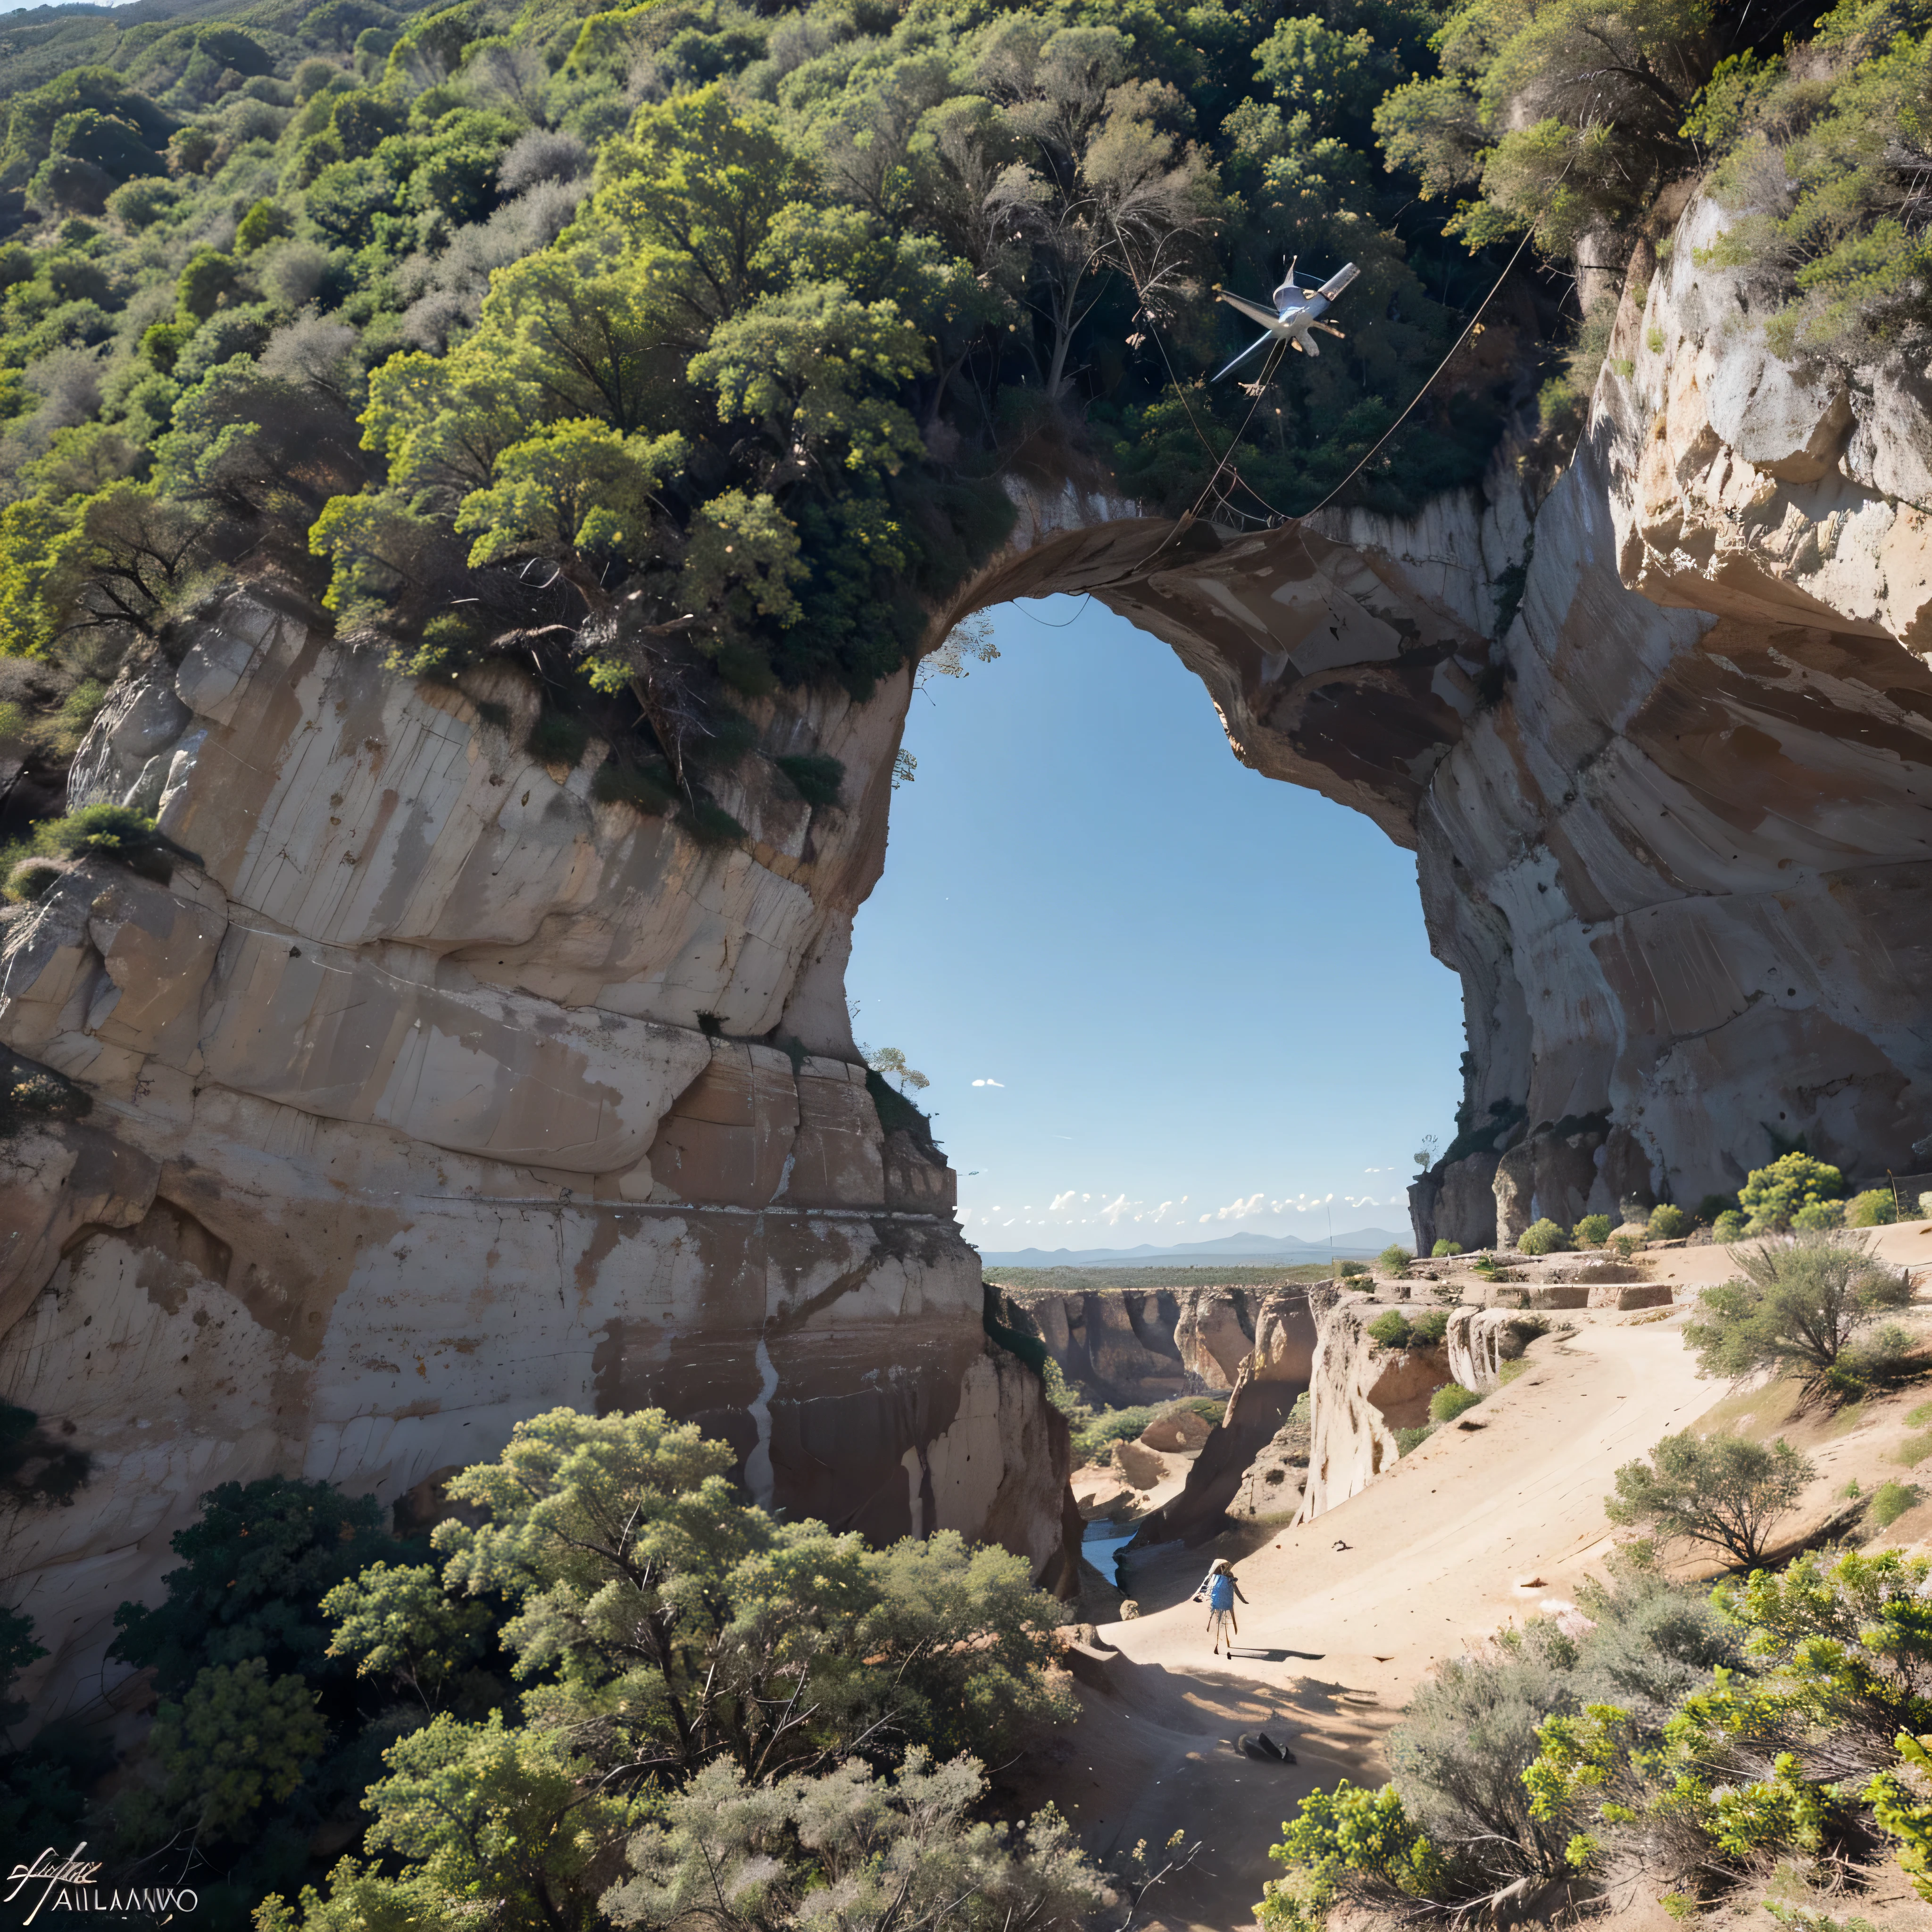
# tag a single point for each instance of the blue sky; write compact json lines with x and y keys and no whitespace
{"x":1159,"y":997}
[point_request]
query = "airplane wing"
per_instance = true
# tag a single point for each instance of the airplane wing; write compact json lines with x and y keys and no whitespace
{"x":1260,"y":341}
{"x":1253,"y":311}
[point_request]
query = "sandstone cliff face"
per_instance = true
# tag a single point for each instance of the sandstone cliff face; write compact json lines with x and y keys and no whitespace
{"x":1360,"y":1394}
{"x":1277,"y":1369}
{"x":1134,"y":1347}
{"x":431,"y":1097}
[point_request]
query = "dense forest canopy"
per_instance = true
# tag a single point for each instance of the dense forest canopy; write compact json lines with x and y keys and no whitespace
{"x":694,"y":338}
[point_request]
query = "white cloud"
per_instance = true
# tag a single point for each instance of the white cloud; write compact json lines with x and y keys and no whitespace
{"x":989,"y":1083}
{"x":1060,"y":1201}
{"x":1240,"y":1210}
{"x":1114,"y":1209}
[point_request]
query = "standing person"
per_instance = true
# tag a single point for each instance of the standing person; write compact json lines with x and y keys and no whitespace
{"x":1221,"y":1590}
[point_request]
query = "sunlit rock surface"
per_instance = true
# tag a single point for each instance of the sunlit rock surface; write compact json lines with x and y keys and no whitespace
{"x":431,"y":1096}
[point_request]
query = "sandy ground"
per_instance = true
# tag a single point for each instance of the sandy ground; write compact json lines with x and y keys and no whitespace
{"x":1490,"y":1519}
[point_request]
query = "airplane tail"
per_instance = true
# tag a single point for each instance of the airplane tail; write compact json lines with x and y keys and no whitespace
{"x":1339,"y":281}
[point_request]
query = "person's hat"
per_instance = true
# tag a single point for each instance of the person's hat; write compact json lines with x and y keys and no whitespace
{"x":1220,"y":1566}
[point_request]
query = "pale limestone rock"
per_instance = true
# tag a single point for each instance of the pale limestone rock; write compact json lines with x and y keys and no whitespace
{"x":1360,"y":1394}
{"x":1176,"y":1431}
{"x":400,"y":1125}
{"x":1139,"y":1465}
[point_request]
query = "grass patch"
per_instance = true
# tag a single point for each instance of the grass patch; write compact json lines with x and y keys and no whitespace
{"x":1448,"y":1403}
{"x":1913,"y":1450}
{"x":1406,"y":1439}
{"x":1920,"y":1417}
{"x":1509,"y":1371}
{"x":112,"y":831}
{"x":1890,"y":1500}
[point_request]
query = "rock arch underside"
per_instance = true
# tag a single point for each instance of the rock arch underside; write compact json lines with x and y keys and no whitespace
{"x":437,"y":1093}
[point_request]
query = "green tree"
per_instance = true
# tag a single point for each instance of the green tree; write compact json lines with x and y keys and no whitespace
{"x":1800,"y":1304}
{"x":257,"y":1563}
{"x":397,"y":1617}
{"x":1722,"y":1492}
{"x":1773,"y":1196}
{"x":1565,"y":118}
{"x":902,"y":1851}
{"x":238,"y":1739}
{"x":671,"y":1623}
{"x":580,"y":497}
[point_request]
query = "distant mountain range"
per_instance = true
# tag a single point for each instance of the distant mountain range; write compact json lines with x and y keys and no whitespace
{"x":1357,"y":1244}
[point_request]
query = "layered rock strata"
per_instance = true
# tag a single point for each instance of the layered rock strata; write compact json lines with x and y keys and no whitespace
{"x":430,"y":1094}
{"x":1134,"y":1346}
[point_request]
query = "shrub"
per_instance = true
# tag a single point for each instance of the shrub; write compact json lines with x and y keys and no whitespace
{"x":1890,"y":1500}
{"x":1876,"y":1207}
{"x":1406,"y":1439}
{"x":1773,"y":1195}
{"x":1093,"y":1437}
{"x":1451,"y":1401}
{"x":1592,"y":1231}
{"x":1798,"y":1304}
{"x":1669,"y":1223}
{"x":1390,"y":1331}
{"x":114,"y":832}
{"x":1542,"y":1237}
{"x":647,"y":789}
{"x":710,"y":824}
{"x":815,"y":779}
{"x":1729,"y":1226}
{"x":1350,"y":1271}
{"x":1394,"y":1259}
{"x":1723,"y":1492}
{"x":1711,"y":1206}
{"x":1444,"y":1246}
{"x":1427,"y":1330}
{"x":33,"y":879}
{"x":558,"y":739}
{"x":1816,"y":1216}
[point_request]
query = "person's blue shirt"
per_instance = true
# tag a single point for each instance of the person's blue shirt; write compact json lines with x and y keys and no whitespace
{"x":1221,"y":1592}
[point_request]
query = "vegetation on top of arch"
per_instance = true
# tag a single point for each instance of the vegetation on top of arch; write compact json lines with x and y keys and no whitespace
{"x":698,"y":342}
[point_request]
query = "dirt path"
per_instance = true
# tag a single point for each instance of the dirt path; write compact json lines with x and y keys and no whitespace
{"x":1332,"y":1640}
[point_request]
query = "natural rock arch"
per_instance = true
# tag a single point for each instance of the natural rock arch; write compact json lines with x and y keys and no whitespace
{"x":480,"y":1095}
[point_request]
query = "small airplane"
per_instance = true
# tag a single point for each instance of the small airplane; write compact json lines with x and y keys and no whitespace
{"x":1296,"y":311}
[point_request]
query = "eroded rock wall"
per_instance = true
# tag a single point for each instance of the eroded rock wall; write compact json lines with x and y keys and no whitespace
{"x":1136,"y":1346}
{"x":1360,"y":1394}
{"x":433,"y":1093}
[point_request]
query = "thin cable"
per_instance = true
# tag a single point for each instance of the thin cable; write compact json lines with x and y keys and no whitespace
{"x":1046,"y":623}
{"x":1528,"y":236}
